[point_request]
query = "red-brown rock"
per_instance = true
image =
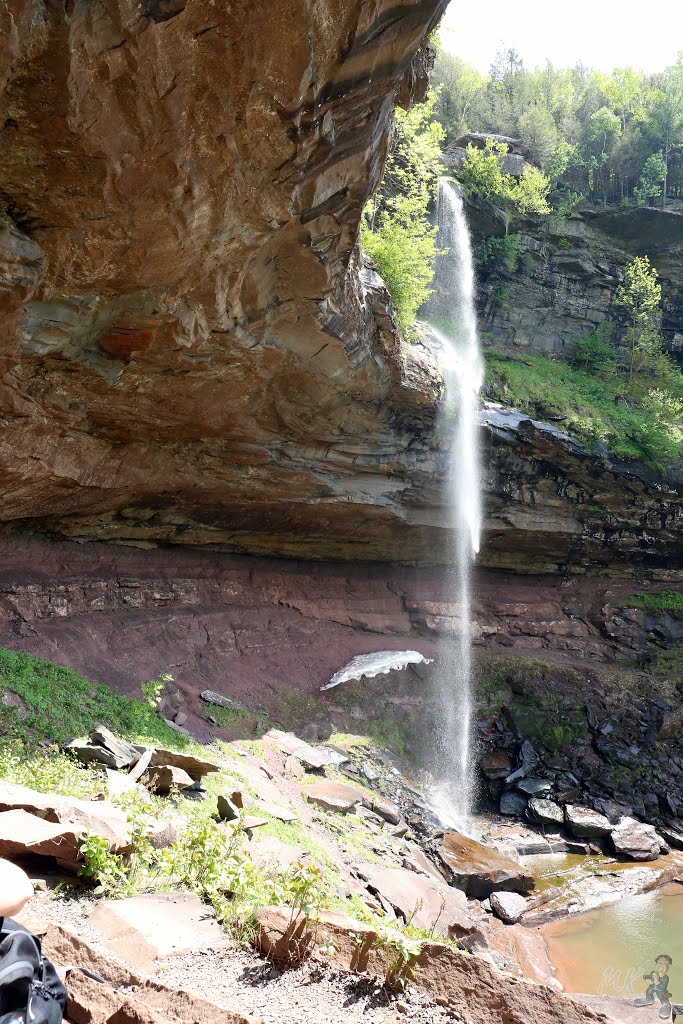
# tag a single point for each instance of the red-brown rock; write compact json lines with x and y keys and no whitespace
{"x":335,"y":796}
{"x":99,"y":816}
{"x":480,"y":870}
{"x":425,"y":902}
{"x":23,"y":834}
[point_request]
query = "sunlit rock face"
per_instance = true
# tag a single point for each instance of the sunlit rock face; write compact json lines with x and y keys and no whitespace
{"x":190,"y":349}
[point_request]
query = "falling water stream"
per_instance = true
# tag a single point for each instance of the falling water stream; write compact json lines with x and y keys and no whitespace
{"x":453,"y":323}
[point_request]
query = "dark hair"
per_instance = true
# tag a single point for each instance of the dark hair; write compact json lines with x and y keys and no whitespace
{"x":663,"y":956}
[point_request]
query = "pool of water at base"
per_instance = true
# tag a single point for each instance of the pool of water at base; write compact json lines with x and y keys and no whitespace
{"x":607,"y":951}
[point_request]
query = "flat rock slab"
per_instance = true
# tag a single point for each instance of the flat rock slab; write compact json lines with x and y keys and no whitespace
{"x":312,"y":758}
{"x":480,"y":870}
{"x":335,"y":796}
{"x":23,"y":834}
{"x":196,"y":767}
{"x":145,"y":929}
{"x":100,"y":816}
{"x":586,"y":823}
{"x":426,"y":902}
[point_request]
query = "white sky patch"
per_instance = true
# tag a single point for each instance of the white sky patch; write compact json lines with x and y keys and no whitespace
{"x":599,"y":35}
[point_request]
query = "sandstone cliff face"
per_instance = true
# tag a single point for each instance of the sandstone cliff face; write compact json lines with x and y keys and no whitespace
{"x":564,"y":284}
{"x":192,"y":350}
{"x":187,"y":346}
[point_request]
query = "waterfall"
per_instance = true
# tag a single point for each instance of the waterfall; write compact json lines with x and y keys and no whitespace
{"x":453,"y":323}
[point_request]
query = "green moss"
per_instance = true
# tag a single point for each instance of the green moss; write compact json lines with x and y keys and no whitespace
{"x":669,"y":663}
{"x":661,"y":601}
{"x":635,"y":417}
{"x":61,"y":704}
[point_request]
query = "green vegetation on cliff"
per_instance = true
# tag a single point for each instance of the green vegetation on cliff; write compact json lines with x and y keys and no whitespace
{"x":662,"y":601}
{"x":55,"y":703}
{"x":624,"y":413}
{"x":482,"y":176}
{"x":396,"y":232}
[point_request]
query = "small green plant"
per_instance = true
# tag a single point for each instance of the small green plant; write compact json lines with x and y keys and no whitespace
{"x":153,"y":689}
{"x":107,"y":869}
{"x":400,"y":952}
{"x":505,"y":249}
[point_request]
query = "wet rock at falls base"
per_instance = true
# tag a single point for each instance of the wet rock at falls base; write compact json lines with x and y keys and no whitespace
{"x":636,"y":840}
{"x":477,"y":869}
{"x":585,"y":823}
{"x":496,"y":764}
{"x":513,"y":804}
{"x":508,"y":906}
{"x":544,"y":812}
{"x":532,"y":787}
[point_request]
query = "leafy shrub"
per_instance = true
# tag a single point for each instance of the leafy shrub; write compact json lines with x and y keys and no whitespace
{"x":395,"y":229}
{"x":505,"y":248}
{"x":482,"y":176}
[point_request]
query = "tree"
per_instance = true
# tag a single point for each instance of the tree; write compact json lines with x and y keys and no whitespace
{"x":395,"y":230}
{"x":458,"y":87}
{"x":651,"y":178}
{"x":539,"y":134}
{"x":666,"y":114}
{"x":640,"y":296}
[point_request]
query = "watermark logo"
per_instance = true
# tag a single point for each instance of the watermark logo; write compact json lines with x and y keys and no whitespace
{"x":629,"y":984}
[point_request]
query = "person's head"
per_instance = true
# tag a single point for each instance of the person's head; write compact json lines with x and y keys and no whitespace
{"x":15,"y":888}
{"x":664,"y":961}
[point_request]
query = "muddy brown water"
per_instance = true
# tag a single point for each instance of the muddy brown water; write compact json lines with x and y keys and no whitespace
{"x":607,"y":951}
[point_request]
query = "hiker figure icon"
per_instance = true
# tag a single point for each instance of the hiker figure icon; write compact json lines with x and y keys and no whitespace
{"x":659,"y":986}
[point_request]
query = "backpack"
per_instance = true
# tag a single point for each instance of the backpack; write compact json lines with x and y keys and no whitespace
{"x":30,"y":989}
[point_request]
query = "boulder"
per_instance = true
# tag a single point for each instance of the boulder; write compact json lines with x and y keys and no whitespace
{"x":636,"y":840}
{"x":496,"y":764}
{"x":544,"y":812}
{"x":422,"y":900}
{"x":100,"y":816}
{"x":126,"y":753}
{"x":196,"y":767}
{"x":165,"y":777}
{"x":585,"y":823}
{"x":386,"y":809}
{"x":23,"y":834}
{"x":532,"y":787}
{"x":479,"y":870}
{"x":94,"y":753}
{"x":228,"y":806}
{"x":312,"y":758}
{"x":287,"y":938}
{"x":513,"y":804}
{"x":335,"y":796}
{"x":146,"y":929}
{"x":210,"y":697}
{"x":508,"y":906}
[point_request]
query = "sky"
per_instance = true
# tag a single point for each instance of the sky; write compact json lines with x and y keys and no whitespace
{"x":601,"y":35}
